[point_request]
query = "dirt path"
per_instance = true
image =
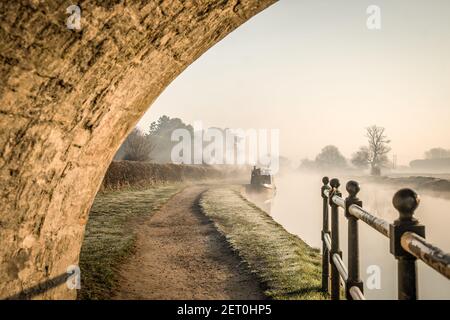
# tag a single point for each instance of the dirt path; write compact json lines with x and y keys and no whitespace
{"x":180,"y":255}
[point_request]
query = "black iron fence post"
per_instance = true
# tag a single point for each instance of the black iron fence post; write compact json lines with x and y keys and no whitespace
{"x":335,"y":277}
{"x":325,"y":230}
{"x":353,"y":240}
{"x":406,"y":202}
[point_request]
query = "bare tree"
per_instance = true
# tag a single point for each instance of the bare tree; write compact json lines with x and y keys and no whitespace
{"x":378,"y":148}
{"x":137,"y":146}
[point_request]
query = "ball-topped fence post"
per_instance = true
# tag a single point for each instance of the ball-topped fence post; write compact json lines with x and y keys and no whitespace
{"x":335,"y":277}
{"x":353,"y":280}
{"x":325,"y":230}
{"x":406,"y":202}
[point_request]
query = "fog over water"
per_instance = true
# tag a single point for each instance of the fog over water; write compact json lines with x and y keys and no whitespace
{"x":298,"y":207}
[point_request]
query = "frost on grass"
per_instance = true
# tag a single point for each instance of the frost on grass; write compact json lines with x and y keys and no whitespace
{"x":286,"y":265}
{"x":109,"y":238}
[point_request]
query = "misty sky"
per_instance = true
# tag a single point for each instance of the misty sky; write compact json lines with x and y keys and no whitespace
{"x":313,"y":70}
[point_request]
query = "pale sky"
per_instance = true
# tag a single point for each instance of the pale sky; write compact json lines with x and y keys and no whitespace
{"x":313,"y":70}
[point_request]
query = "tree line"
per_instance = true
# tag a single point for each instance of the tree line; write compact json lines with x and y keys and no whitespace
{"x":373,"y":155}
{"x":155,"y":145}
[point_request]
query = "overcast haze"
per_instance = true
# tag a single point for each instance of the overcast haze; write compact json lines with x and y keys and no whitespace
{"x":313,"y":70}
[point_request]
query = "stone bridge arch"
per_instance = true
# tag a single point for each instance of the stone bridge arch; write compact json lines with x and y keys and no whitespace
{"x":67,"y":101}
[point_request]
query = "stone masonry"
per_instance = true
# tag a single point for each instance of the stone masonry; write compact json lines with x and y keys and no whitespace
{"x":68,"y":98}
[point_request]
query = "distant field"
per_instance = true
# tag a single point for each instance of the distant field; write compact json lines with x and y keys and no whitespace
{"x":437,"y":185}
{"x":432,"y":175}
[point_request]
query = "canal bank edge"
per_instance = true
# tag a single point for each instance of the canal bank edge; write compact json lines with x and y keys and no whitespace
{"x":287,"y":267}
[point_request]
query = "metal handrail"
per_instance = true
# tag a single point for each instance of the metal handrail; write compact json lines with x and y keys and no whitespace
{"x":356,"y":294}
{"x":327,"y":241}
{"x":428,"y":253}
{"x":373,"y":221}
{"x":335,"y":198}
{"x":406,"y":238}
{"x":338,"y":201}
{"x":340,"y":265}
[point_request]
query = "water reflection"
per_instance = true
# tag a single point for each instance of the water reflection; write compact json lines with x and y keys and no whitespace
{"x":262,"y":197}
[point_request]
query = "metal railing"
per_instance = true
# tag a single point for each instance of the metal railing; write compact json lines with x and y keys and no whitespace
{"x":406,"y":238}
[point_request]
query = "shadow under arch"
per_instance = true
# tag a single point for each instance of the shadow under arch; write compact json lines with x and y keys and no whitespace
{"x":67,"y":101}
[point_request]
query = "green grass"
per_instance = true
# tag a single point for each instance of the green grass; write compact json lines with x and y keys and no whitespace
{"x":287,"y":266}
{"x":109,"y":238}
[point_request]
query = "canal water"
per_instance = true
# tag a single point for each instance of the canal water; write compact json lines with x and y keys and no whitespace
{"x":298,"y":207}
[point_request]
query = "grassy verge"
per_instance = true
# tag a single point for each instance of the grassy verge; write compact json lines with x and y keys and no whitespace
{"x":109,"y":238}
{"x":286,"y":265}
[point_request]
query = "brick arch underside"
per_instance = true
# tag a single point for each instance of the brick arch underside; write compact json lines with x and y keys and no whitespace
{"x":68,"y":100}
